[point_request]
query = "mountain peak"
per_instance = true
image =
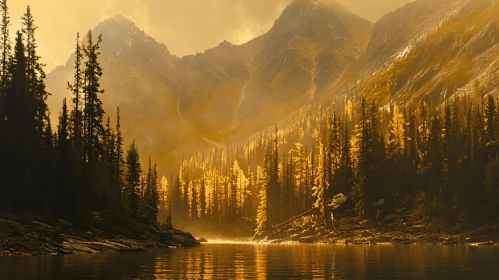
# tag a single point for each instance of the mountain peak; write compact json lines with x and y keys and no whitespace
{"x":330,"y":4}
{"x":119,"y":19}
{"x":118,"y":22}
{"x":225,"y":44}
{"x":319,"y":11}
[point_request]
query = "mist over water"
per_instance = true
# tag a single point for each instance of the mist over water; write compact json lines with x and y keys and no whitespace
{"x":267,"y":261}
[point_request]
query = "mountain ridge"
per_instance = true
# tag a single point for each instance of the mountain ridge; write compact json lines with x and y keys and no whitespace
{"x":413,"y":69}
{"x":227,"y":92}
{"x":315,"y":50}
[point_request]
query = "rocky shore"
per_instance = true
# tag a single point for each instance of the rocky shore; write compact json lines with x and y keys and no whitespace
{"x":400,"y":229}
{"x":375,"y":236}
{"x":38,"y":238}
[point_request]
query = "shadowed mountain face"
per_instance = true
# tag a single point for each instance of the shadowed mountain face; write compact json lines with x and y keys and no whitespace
{"x":172,"y":105}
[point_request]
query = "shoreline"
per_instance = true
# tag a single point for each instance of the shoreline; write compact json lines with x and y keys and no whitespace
{"x":358,"y":232}
{"x":41,"y":239}
{"x":378,"y":238}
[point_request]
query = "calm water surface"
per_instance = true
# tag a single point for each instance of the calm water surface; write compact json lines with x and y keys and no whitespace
{"x":255,"y":261}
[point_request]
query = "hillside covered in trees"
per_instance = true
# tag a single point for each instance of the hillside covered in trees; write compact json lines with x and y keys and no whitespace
{"x":439,"y":160}
{"x":78,"y":172}
{"x":382,"y":148}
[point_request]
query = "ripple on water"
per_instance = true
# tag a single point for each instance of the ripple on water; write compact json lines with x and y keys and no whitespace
{"x":229,"y":260}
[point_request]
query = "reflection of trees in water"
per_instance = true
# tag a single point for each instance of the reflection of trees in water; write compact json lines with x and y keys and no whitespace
{"x":265,"y":261}
{"x":261,"y":261}
{"x":79,"y":266}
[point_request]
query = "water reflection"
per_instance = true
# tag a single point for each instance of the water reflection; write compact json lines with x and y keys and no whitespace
{"x":267,"y":261}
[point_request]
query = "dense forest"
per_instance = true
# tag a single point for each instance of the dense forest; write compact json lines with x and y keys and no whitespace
{"x":79,"y":171}
{"x":441,"y":159}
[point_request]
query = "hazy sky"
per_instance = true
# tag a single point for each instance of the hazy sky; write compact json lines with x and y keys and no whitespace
{"x":185,"y":26}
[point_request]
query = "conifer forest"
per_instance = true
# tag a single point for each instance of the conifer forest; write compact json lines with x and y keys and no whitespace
{"x":79,"y":166}
{"x":442,"y":158}
{"x":272,"y":139}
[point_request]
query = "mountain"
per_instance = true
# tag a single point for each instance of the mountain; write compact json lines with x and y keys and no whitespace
{"x":232,"y":91}
{"x":139,"y":77}
{"x":176,"y":105}
{"x":428,"y":49}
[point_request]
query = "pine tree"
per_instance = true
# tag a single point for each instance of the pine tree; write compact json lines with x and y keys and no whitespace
{"x":76,"y":88}
{"x":151,"y":197}
{"x":396,"y":137}
{"x":321,"y":182}
{"x":361,"y":147}
{"x":411,"y":135}
{"x":434,"y":156}
{"x":119,"y":161}
{"x":34,"y":70}
{"x":64,"y":194}
{"x":334,"y":155}
{"x":262,"y":214}
{"x":93,"y":105}
{"x":20,"y":116}
{"x":48,"y":184}
{"x":490,"y":113}
{"x":6,"y":50}
{"x":346,"y":163}
{"x":5,"y":54}
{"x":202,"y":209}
{"x":133,"y":171}
{"x":112,"y":197}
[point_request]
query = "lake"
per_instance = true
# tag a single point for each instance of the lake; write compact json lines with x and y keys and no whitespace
{"x":267,"y":261}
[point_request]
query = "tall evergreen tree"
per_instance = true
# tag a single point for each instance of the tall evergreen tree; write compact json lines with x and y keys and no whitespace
{"x":76,"y":87}
{"x":34,"y":70}
{"x":5,"y":54}
{"x":490,"y":113}
{"x":64,"y":193}
{"x":20,"y":116}
{"x":6,"y":49}
{"x":262,"y":214}
{"x":119,"y":161}
{"x":93,"y":105}
{"x":133,"y":171}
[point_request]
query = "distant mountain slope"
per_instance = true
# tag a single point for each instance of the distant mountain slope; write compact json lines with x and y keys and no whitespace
{"x":426,"y":49}
{"x":138,"y":77}
{"x":174,"y":106}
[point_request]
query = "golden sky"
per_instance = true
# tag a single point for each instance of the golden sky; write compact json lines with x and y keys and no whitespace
{"x":185,"y":26}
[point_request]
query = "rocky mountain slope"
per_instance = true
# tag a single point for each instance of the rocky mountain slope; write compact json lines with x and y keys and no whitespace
{"x":233,"y":91}
{"x":427,"y":50}
{"x":174,"y":105}
{"x":139,"y":77}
